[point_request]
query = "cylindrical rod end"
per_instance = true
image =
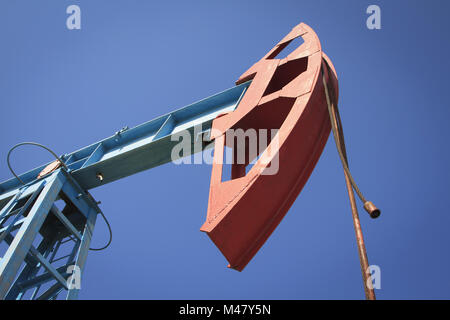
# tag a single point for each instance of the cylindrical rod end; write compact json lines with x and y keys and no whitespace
{"x":373,"y":211}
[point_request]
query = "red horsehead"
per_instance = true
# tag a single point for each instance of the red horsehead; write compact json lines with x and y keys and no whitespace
{"x":288,"y":95}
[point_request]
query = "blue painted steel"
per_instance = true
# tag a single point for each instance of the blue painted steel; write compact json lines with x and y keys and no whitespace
{"x":127,"y":152}
{"x":140,"y":148}
{"x":18,"y":249}
{"x":48,"y":266}
{"x":14,"y":223}
{"x":65,"y":222}
{"x":73,"y":225}
{"x":83,"y":250}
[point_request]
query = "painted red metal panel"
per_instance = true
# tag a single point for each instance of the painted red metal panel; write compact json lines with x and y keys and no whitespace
{"x":285,"y":94}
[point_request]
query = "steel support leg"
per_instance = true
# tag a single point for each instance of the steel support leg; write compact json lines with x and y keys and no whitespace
{"x":43,"y":272}
{"x":23,"y":240}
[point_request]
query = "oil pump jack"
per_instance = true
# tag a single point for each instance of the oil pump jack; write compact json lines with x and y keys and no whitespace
{"x":296,"y":95}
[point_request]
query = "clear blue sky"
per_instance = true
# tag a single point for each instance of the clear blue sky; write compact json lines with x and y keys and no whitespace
{"x":135,"y":60}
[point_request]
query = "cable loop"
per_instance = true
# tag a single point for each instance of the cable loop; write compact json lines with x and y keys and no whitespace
{"x":65,"y":167}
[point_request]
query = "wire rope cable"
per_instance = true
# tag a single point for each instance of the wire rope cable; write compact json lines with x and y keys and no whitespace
{"x":338,"y":134}
{"x":65,"y":167}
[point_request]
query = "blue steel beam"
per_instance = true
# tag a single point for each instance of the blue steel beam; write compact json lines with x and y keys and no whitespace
{"x":47,"y":266}
{"x":62,"y":218}
{"x":22,"y":261}
{"x":31,"y":269}
{"x":127,"y":152}
{"x":83,"y":251}
{"x":133,"y":150}
{"x":23,"y":240}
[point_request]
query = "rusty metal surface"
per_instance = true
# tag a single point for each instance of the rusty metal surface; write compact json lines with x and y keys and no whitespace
{"x":340,"y":143}
{"x":50,"y":168}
